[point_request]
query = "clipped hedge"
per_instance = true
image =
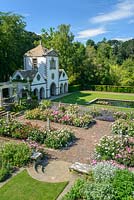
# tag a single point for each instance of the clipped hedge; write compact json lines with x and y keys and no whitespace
{"x":112,"y":88}
{"x":74,"y":88}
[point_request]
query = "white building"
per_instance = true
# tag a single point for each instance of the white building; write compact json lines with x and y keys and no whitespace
{"x":41,"y":71}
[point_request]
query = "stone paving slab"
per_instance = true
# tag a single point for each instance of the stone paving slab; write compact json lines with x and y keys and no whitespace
{"x":54,"y":171}
{"x":80,"y":167}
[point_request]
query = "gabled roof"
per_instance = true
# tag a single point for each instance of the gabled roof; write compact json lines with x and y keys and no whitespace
{"x":37,"y":51}
{"x":52,"y":52}
{"x":27,"y":74}
{"x":60,"y":72}
{"x":40,"y":51}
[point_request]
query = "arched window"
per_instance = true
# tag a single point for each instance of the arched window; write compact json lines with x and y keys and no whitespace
{"x":52,"y":64}
{"x":53,"y":89}
{"x":52,"y":76}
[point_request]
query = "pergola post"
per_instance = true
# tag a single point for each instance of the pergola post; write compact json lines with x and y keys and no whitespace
{"x":1,"y":98}
{"x":10,"y":92}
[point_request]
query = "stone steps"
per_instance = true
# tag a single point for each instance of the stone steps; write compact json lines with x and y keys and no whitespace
{"x":3,"y":113}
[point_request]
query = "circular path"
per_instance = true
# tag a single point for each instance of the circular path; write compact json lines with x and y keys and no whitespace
{"x":54,"y":171}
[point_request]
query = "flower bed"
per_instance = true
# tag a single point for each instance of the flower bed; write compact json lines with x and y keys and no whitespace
{"x":58,"y":139}
{"x":53,"y":138}
{"x":120,"y":149}
{"x":17,"y":130}
{"x":105,"y":182}
{"x":68,"y":116}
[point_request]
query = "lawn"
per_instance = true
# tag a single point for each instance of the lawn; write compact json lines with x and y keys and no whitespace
{"x":83,"y":97}
{"x":22,"y":186}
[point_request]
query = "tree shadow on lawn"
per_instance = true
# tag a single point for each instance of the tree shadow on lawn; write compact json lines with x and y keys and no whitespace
{"x":75,"y":98}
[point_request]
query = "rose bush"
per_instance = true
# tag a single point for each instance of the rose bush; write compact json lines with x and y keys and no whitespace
{"x":123,"y":127}
{"x":120,"y":149}
{"x":59,"y":138}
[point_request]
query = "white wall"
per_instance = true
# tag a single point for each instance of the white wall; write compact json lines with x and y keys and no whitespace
{"x":63,"y":80}
{"x":27,"y":63}
{"x":41,"y":63}
{"x":45,"y":71}
{"x":49,"y":74}
{"x":38,"y":87}
{"x":38,"y":84}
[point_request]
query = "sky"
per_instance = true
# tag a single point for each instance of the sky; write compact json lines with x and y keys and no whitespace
{"x":89,"y":19}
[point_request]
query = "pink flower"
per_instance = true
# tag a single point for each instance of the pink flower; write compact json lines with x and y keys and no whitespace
{"x":94,"y":162}
{"x":118,"y":156}
{"x":128,"y":149}
{"x":56,"y":112}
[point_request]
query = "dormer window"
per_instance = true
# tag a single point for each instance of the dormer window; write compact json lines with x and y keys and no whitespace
{"x":18,"y":77}
{"x":52,"y":64}
{"x":38,"y":77}
{"x":34,"y":62}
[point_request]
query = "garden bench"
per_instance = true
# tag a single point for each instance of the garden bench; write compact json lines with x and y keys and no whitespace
{"x":36,"y":156}
{"x":80,"y":167}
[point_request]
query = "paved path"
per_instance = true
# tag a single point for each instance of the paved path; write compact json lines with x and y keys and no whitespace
{"x":55,"y":171}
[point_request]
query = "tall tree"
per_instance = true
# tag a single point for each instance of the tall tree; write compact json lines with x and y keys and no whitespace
{"x":14,"y":42}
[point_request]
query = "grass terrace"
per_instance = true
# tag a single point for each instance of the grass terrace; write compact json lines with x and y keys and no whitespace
{"x":22,"y":186}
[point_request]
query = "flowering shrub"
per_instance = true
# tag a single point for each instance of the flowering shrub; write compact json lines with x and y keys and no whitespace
{"x":123,"y":115}
{"x":21,"y":131}
{"x":33,"y":114}
{"x":13,"y":129}
{"x":73,"y":109}
{"x":123,"y":127}
{"x":45,"y":104}
{"x":36,"y":135}
{"x":56,"y":115}
{"x":120,"y":115}
{"x":103,"y":171}
{"x":58,"y":139}
{"x":103,"y":102}
{"x":83,"y":121}
{"x":126,"y":156}
{"x":116,"y":148}
{"x":108,"y":147}
{"x":68,"y":117}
